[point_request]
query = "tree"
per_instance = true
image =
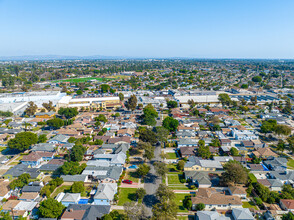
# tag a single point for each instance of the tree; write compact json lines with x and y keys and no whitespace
{"x":101,"y":118}
{"x":77,"y":153}
{"x":234,"y":151}
{"x":104,"y":88}
{"x":121,"y":96}
{"x":143,"y":170}
{"x":135,"y":211}
{"x":31,"y":109}
{"x":191,"y":103}
{"x":49,"y":106}
{"x":203,"y":151}
{"x":256,"y":79}
{"x":161,"y":168}
{"x":234,"y":173}
{"x":131,"y":103}
{"x":253,"y":100}
{"x":165,"y":210}
{"x":290,"y":141}
{"x":281,"y":145}
{"x":288,"y":107}
{"x":244,"y":86}
{"x":164,"y":193}
{"x":200,"y":206}
{"x":140,"y":193}
{"x":20,"y":182}
{"x":79,"y":92}
{"x":268,"y":126}
{"x":146,"y":135}
{"x":187,"y":203}
{"x":72,"y":168}
{"x":288,"y":216}
{"x":161,"y":133}
{"x":149,"y":115}
{"x":256,"y":160}
{"x":282,"y":130}
{"x":225,"y":99}
{"x":170,"y":124}
{"x":181,"y":165}
{"x":50,"y":208}
{"x":23,"y":141}
{"x":42,"y":138}
{"x":77,"y":187}
{"x":149,"y":152}
{"x":171,"y":104}
{"x":55,"y":123}
{"x":68,"y":112}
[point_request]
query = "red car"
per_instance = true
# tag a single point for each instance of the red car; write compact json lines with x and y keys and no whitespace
{"x":127,"y":181}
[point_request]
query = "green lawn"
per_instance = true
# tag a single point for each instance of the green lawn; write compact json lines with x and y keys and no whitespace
{"x":2,"y":148}
{"x":252,"y":177}
{"x":60,"y":189}
{"x":171,"y":156}
{"x":182,"y":217}
{"x":77,"y":80}
{"x":180,"y":187}
{"x":172,"y":169}
{"x":126,"y":195}
{"x":291,"y":164}
{"x":132,"y":175}
{"x":179,"y":201}
{"x":174,"y":178}
{"x":249,"y":205}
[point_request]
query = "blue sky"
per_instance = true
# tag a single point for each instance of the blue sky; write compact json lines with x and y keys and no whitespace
{"x":151,"y":28}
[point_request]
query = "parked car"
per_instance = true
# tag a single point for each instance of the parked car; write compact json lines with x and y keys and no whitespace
{"x":127,"y":181}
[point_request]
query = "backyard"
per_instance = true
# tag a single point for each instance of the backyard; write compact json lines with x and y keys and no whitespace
{"x":249,"y":205}
{"x":171,"y":156}
{"x":179,"y":200}
{"x":64,"y":188}
{"x":126,"y":195}
{"x":290,"y":164}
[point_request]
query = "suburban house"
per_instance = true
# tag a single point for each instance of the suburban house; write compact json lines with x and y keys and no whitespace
{"x":264,"y":153}
{"x":238,"y":191}
{"x":187,"y":142}
{"x":210,"y":215}
{"x":187,"y":151}
{"x":242,"y":214}
{"x":35,"y":158}
{"x":59,"y":139}
{"x":114,"y":159}
{"x":105,"y":193}
{"x":4,"y":190}
{"x":200,"y":179}
{"x":214,"y":199}
{"x":198,"y":164}
{"x":29,"y":196}
{"x":80,"y":212}
{"x":68,"y":198}
{"x":44,"y":147}
{"x":287,"y":204}
{"x":99,"y":173}
{"x":276,"y":163}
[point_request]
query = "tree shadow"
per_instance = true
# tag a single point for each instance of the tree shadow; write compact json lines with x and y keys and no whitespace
{"x":150,"y":200}
{"x":150,"y":178}
{"x":132,"y":196}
